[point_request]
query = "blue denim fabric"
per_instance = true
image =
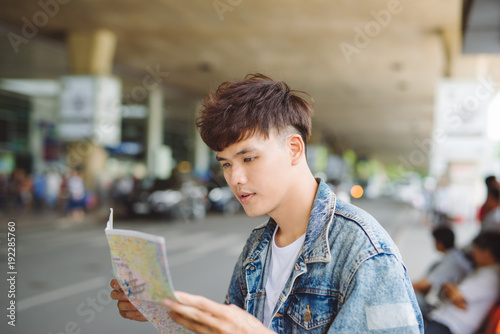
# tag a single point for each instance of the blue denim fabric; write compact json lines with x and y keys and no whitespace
{"x":348,"y":278}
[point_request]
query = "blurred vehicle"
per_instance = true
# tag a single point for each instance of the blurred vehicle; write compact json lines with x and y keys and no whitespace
{"x":157,"y":197}
{"x":222,"y":199}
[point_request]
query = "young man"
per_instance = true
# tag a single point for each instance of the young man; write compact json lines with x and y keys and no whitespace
{"x":467,"y":303}
{"x":452,"y":267}
{"x":319,"y":264}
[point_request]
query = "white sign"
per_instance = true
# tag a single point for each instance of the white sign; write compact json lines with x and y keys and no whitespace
{"x":90,"y":109}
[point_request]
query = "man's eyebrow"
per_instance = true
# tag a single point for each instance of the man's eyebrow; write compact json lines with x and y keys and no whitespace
{"x":243,"y":151}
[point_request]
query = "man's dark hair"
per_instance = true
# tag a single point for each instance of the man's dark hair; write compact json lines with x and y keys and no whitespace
{"x":495,"y":193}
{"x":489,"y":241}
{"x":491,"y":181}
{"x":445,"y":236}
{"x":256,"y":104}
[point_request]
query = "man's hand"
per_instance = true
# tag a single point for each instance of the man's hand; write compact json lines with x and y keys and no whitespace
{"x":204,"y":316}
{"x":423,"y":286}
{"x":125,"y":307}
{"x":452,"y":292}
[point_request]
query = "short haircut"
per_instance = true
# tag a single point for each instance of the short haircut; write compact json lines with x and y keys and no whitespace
{"x":445,"y":236}
{"x":489,"y":241}
{"x":255,"y":105}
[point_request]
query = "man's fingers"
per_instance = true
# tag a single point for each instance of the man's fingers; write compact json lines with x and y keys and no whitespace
{"x":118,"y":295}
{"x":133,"y":315}
{"x":201,"y":303}
{"x":126,"y":306}
{"x":136,"y":315}
{"x":114,"y":284}
{"x":190,"y":314}
{"x":189,"y":324}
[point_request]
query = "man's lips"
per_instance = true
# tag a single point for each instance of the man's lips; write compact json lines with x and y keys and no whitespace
{"x":245,"y":197}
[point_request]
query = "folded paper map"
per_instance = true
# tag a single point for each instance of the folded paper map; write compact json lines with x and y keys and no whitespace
{"x":140,"y":266}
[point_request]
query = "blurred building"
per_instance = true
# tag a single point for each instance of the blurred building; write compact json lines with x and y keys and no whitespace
{"x":113,"y":86}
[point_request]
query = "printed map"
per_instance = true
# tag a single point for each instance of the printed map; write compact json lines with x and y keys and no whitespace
{"x":140,"y":266}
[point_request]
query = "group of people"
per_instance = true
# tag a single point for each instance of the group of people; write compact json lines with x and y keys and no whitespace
{"x":461,"y":290}
{"x":49,"y":190}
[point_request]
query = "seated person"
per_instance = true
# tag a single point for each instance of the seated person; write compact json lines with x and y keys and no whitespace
{"x":453,"y":267}
{"x":465,"y":305}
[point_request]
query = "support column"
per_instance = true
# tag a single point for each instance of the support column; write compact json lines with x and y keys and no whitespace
{"x":92,"y":52}
{"x":154,"y":132}
{"x":201,"y":157}
{"x":97,"y":97}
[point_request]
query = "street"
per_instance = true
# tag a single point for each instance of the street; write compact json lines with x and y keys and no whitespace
{"x":63,"y":274}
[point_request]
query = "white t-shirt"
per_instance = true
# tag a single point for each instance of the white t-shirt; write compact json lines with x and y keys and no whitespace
{"x":280,"y":268}
{"x":453,"y":267}
{"x":480,"y":290}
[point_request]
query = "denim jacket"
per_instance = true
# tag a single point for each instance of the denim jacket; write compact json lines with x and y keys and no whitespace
{"x":348,"y":277}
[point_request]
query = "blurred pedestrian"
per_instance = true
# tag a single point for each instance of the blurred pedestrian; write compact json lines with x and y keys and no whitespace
{"x":466,"y":304}
{"x":452,"y":267}
{"x":76,"y":196}
{"x":53,"y":188}
{"x":491,"y":202}
{"x":39,"y":188}
{"x":18,"y":186}
{"x":492,"y":220}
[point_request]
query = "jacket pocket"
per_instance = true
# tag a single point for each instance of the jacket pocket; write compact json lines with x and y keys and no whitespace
{"x":312,"y":311}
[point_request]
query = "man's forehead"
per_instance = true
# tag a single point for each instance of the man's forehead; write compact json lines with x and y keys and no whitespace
{"x":253,"y":143}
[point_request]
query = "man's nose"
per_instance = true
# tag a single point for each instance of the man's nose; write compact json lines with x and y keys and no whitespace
{"x":238,"y":176}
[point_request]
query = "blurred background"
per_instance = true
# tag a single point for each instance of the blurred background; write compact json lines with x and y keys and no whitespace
{"x":97,"y":108}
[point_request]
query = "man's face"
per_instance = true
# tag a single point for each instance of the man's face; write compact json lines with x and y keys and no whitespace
{"x":480,"y":256}
{"x":258,"y":171}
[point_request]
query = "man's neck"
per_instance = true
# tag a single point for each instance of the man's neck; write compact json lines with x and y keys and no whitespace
{"x":292,"y":217}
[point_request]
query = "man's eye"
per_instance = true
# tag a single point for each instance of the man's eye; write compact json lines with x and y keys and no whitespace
{"x":248,"y":159}
{"x":226,"y":165}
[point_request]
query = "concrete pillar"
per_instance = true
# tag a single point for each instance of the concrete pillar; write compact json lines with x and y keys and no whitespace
{"x":154,"y":131}
{"x":201,"y":157}
{"x":92,"y":52}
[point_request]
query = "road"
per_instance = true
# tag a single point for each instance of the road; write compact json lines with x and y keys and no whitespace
{"x":63,"y":273}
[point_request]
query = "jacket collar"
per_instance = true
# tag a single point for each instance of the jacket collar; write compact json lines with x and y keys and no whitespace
{"x":316,"y":247}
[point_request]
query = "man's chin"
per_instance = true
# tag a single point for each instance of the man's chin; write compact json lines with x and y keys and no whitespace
{"x":253,"y":213}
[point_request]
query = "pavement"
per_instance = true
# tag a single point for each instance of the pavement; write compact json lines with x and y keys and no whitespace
{"x":47,"y":219}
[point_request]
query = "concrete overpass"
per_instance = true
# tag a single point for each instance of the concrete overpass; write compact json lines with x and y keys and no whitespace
{"x":371,"y":67}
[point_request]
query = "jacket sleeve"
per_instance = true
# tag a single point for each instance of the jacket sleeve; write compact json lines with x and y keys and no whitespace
{"x":379,"y":298}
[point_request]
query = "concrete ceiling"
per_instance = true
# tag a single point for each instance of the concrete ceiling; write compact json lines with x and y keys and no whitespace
{"x":378,"y":100}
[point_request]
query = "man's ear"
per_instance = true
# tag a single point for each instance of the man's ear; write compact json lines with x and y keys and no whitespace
{"x":297,"y":148}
